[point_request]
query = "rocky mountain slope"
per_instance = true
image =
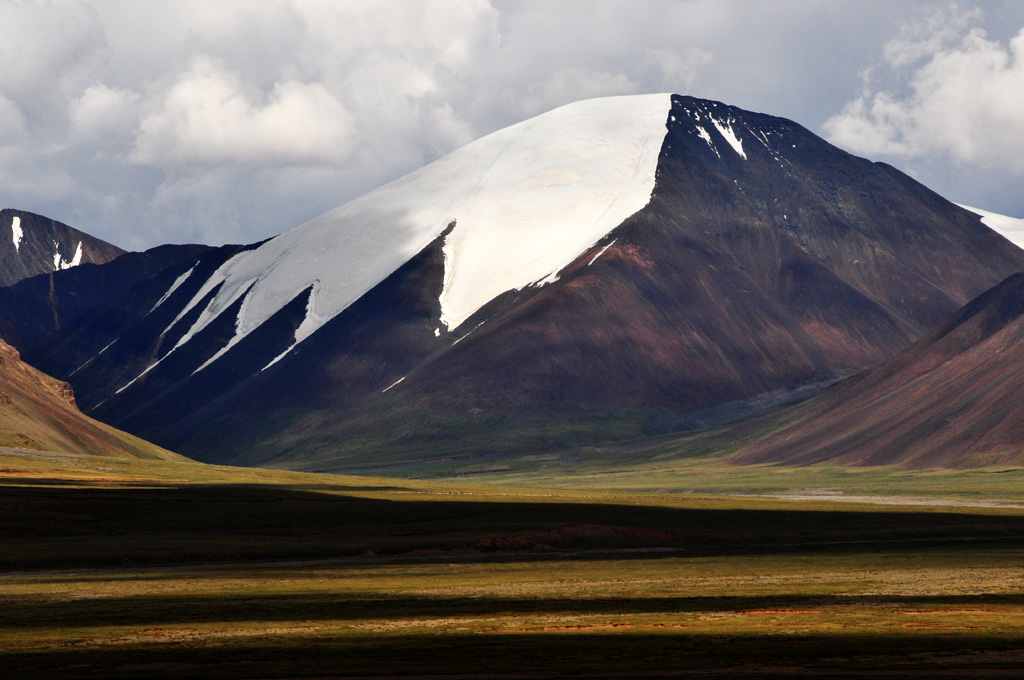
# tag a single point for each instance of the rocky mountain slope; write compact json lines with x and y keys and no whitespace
{"x":35,"y":309}
{"x":1010,"y":227}
{"x":33,"y":244}
{"x":608,"y":267}
{"x":955,"y":398}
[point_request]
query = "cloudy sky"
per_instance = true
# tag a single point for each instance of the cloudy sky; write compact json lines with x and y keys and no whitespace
{"x":147,"y":122}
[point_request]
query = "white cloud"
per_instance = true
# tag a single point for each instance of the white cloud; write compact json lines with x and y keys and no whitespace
{"x":936,"y":32}
{"x":42,"y":41}
{"x":569,"y":85}
{"x":962,"y":97}
{"x":103,"y":112}
{"x":207,"y":117}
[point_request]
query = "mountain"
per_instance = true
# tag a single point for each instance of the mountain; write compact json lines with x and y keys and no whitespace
{"x":955,"y":398}
{"x":34,"y":309}
{"x":1010,"y":227}
{"x":613,"y":267}
{"x":38,"y":245}
{"x":39,"y":413}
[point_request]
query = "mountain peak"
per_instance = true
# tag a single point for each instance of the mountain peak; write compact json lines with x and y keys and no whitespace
{"x":625,"y":260}
{"x":527,"y":201}
{"x":31,"y":244}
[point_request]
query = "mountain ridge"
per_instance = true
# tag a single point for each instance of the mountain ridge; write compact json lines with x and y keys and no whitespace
{"x":952,"y":399}
{"x":39,"y":245}
{"x":764,"y":260}
{"x":39,"y":413}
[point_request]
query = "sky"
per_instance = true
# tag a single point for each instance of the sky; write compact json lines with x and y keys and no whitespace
{"x":145,"y":122}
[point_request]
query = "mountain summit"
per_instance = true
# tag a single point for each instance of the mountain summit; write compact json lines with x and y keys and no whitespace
{"x":34,"y":245}
{"x":515,"y":207}
{"x":611,"y":267}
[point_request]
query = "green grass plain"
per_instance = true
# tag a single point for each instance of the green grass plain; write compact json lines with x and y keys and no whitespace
{"x":112,"y":568}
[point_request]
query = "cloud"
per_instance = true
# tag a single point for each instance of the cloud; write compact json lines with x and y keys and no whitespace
{"x":930,"y":35}
{"x":959,"y":93}
{"x":103,"y":112}
{"x":12,"y":120}
{"x":206,"y":117}
{"x":679,"y":68}
{"x":569,"y":85}
{"x":155,"y":122}
{"x":42,"y":45}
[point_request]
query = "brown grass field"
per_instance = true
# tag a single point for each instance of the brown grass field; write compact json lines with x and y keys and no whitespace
{"x":114,"y":568}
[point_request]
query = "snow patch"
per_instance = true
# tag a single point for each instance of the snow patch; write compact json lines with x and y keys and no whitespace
{"x":75,"y":261}
{"x":547,"y":190}
{"x":233,"y":341}
{"x":17,"y":233}
{"x":529,"y":200}
{"x":211,"y":311}
{"x":392,"y":384}
{"x":726,"y":130}
{"x":60,"y":263}
{"x":144,"y":372}
{"x":594,"y":259}
{"x":90,"y":360}
{"x":295,"y":340}
{"x":760,"y":136}
{"x":1010,"y":228}
{"x":278,"y":357}
{"x":468,"y":334}
{"x":550,"y":278}
{"x":174,"y":286}
{"x":703,"y":134}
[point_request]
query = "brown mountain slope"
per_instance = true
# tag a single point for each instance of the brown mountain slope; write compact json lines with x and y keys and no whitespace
{"x":38,"y":412}
{"x":745,"y":278}
{"x":955,"y":398}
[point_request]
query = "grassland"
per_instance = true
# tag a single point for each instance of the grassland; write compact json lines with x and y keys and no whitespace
{"x":122,"y":569}
{"x":666,"y":474}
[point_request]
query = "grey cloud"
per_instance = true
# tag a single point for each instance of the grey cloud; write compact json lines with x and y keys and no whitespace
{"x":148,"y":122}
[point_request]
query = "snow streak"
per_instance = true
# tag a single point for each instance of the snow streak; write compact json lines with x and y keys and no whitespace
{"x":17,"y":233}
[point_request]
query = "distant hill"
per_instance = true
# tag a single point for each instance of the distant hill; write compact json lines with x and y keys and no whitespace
{"x":38,"y":412}
{"x":31,"y":244}
{"x":955,"y":398}
{"x":33,"y":310}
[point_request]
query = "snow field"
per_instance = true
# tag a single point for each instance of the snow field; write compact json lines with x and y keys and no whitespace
{"x":527,"y":200}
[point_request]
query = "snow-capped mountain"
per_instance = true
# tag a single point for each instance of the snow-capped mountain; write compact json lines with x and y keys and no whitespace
{"x":516,"y":206}
{"x":35,"y":245}
{"x":612,"y":266}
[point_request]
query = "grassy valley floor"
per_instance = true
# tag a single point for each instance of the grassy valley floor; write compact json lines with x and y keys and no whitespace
{"x":123,"y":569}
